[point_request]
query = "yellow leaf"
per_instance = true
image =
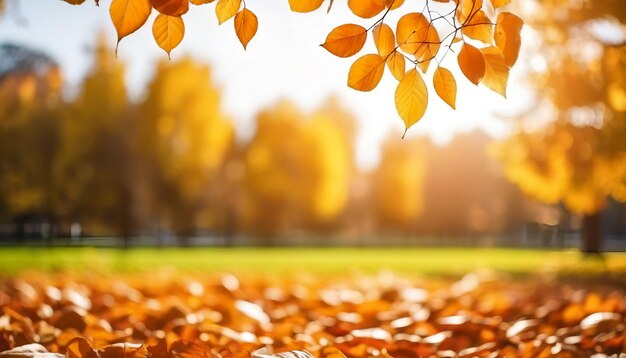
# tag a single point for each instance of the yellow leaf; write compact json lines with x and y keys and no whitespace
{"x":201,"y":2}
{"x":467,"y":8}
{"x":496,"y":70}
{"x":472,"y":63}
{"x":366,"y":72}
{"x":345,"y":40}
{"x":396,"y":64}
{"x":225,"y":9}
{"x":393,"y":4}
{"x":128,"y":16}
{"x":499,"y":3}
{"x":366,"y":8}
{"x":507,"y":36}
{"x":384,"y":39}
{"x":416,"y":35}
{"x":246,"y":24}
{"x":411,"y":98}
{"x":479,"y":27}
{"x":304,"y":5}
{"x":445,"y":86}
{"x":171,"y":7}
{"x":168,"y":32}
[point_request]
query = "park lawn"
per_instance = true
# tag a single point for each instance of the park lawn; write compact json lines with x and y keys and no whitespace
{"x":424,"y":261}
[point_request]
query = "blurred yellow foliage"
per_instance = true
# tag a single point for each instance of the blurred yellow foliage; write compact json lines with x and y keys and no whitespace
{"x":399,"y":182}
{"x":298,"y":169}
{"x":185,"y":137}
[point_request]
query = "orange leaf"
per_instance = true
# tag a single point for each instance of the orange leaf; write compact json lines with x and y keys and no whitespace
{"x":467,"y":9}
{"x":345,"y":40}
{"x":384,"y":39}
{"x":366,"y":8}
{"x":393,"y":4}
{"x":479,"y":28}
{"x":168,"y":32}
{"x":171,"y":7}
{"x":411,"y":98}
{"x":331,"y":352}
{"x":472,"y":63}
{"x":226,"y":9}
{"x":79,"y":347}
{"x":496,"y":70}
{"x":128,"y":16}
{"x":366,"y":72}
{"x":246,"y":25}
{"x":445,"y":86}
{"x":201,"y":2}
{"x":507,"y":36}
{"x":304,"y":5}
{"x":499,"y":3}
{"x":396,"y":65}
{"x":416,"y":35}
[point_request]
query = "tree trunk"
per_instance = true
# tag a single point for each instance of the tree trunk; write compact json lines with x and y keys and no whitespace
{"x":592,"y":233}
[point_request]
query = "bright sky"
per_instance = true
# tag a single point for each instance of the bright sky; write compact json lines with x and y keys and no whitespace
{"x":284,"y":60}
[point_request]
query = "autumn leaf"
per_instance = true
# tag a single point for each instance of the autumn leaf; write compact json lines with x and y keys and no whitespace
{"x":393,"y":4}
{"x":396,"y":65}
{"x":331,"y":352}
{"x":479,"y":27}
{"x":79,"y":347}
{"x":472,"y":63}
{"x":496,"y":70}
{"x":366,"y":8}
{"x":411,"y":98}
{"x":128,"y":16}
{"x":345,"y":40}
{"x":366,"y":72}
{"x":417,"y":36}
{"x":445,"y":86}
{"x":507,"y":36}
{"x":246,"y":25}
{"x":384,"y":39}
{"x":226,"y":9}
{"x":467,"y":9}
{"x":499,"y":3}
{"x":304,"y":5}
{"x":201,"y":2}
{"x":168,"y":32}
{"x":171,"y":7}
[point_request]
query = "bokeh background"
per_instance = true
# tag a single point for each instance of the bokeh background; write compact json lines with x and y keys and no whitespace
{"x":268,"y":146}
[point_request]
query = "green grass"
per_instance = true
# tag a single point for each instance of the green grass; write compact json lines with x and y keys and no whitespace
{"x":426,"y":261}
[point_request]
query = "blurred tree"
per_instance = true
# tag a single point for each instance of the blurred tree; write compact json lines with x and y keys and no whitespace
{"x":185,"y":138}
{"x":30,"y":84}
{"x":399,"y":184}
{"x":298,"y":169}
{"x":96,"y":154}
{"x":579,"y":159}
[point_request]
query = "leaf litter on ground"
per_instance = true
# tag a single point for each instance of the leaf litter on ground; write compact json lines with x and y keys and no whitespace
{"x":171,"y":315}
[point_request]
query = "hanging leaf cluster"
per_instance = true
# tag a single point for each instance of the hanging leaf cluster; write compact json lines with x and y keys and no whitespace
{"x":168,"y":27}
{"x":486,"y":49}
{"x":485,"y":39}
